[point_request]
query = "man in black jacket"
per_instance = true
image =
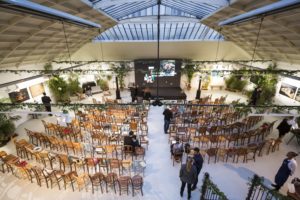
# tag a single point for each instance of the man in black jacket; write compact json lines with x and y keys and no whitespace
{"x":46,"y":101}
{"x":198,"y":163}
{"x":168,"y":116}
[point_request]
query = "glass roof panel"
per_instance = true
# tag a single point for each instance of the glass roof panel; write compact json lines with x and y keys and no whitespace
{"x":137,"y":19}
{"x":168,"y":31}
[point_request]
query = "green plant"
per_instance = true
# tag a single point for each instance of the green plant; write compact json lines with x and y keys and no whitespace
{"x":121,"y":71}
{"x":73,"y":84}
{"x":189,"y":71}
{"x":59,"y":88}
{"x":235,"y":82}
{"x":48,"y":68}
{"x":103,"y":84}
{"x":267,"y":82}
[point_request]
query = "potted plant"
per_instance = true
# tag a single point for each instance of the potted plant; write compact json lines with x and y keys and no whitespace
{"x":103,"y":84}
{"x":267,"y":82}
{"x":189,"y":70}
{"x":59,"y":88}
{"x":121,"y":71}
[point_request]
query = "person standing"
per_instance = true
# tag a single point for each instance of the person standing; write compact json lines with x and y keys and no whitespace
{"x":255,"y":96}
{"x":168,"y":116}
{"x":188,"y":175}
{"x":284,"y":127}
{"x":286,"y":169}
{"x":46,"y":101}
{"x":198,"y":163}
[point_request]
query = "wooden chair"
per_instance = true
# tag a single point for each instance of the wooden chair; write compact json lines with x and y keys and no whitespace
{"x":128,"y":149}
{"x":56,"y":177}
{"x":212,"y":152}
{"x":137,"y":184}
{"x":241,"y":152}
{"x":97,"y":180}
{"x":91,"y":163}
{"x":115,"y":164}
{"x":111,"y":180}
{"x":139,"y":151}
{"x":124,"y":182}
{"x":45,"y":158}
{"x":41,"y":176}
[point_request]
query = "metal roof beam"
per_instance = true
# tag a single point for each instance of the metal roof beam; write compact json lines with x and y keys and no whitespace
{"x":107,"y":3}
{"x":211,"y":2}
{"x":153,"y":20}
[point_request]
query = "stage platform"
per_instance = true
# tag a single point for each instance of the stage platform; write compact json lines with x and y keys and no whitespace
{"x":168,"y":93}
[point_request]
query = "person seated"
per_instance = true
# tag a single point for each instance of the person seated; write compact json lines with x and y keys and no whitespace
{"x":296,"y":193}
{"x":135,"y":142}
{"x":177,"y":149}
{"x":128,"y":139}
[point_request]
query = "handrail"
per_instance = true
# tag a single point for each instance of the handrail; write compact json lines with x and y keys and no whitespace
{"x":210,"y":191}
{"x":257,"y":190}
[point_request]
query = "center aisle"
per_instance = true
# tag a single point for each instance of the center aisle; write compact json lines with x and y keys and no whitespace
{"x":161,"y":178}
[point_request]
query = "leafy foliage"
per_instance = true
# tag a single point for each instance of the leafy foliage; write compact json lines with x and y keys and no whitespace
{"x":235,"y":82}
{"x":189,"y":71}
{"x":73,"y":84}
{"x":48,"y":68}
{"x":121,"y":72}
{"x":59,"y":88}
{"x":267,"y":82}
{"x":103,"y":84}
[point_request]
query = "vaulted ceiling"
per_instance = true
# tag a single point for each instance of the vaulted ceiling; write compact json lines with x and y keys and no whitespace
{"x":28,"y":39}
{"x":279,"y":38}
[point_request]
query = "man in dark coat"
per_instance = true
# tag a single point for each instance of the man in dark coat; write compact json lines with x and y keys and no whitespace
{"x":46,"y":101}
{"x":198,"y":163}
{"x":255,"y":96}
{"x":284,"y":127}
{"x":287,"y":169}
{"x":168,"y":116}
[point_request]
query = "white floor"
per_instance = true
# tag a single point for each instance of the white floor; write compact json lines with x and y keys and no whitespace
{"x":161,"y":178}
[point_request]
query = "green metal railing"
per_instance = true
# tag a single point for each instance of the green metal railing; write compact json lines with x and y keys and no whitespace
{"x":210,"y":191}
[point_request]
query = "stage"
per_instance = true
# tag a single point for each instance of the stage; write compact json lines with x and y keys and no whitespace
{"x":168,"y":93}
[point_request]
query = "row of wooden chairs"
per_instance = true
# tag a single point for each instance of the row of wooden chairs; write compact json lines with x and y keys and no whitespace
{"x":73,"y":179}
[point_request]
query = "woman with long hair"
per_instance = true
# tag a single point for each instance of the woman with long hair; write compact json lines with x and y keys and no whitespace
{"x":188,"y":175}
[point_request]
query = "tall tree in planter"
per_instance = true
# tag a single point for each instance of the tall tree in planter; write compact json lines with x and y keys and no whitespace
{"x":189,"y":71}
{"x":267,"y":82}
{"x":121,"y":71}
{"x":59,"y":88}
{"x":7,"y":127}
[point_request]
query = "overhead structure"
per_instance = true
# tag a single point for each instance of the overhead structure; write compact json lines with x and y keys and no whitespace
{"x":27,"y":39}
{"x":29,"y":7}
{"x":279,"y":38}
{"x":180,"y":20}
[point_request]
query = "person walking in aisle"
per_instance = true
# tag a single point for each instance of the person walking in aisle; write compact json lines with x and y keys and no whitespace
{"x":287,"y":169}
{"x":198,"y":163}
{"x":46,"y":101}
{"x":168,"y":116}
{"x":188,"y":175}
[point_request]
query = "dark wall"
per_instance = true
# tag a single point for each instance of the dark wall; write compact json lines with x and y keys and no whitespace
{"x":141,"y":68}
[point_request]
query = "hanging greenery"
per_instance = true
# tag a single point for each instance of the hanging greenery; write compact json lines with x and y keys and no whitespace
{"x":189,"y":71}
{"x":59,"y":88}
{"x":235,"y":82}
{"x":209,"y":190}
{"x":121,"y":71}
{"x":73,"y":84}
{"x":48,"y":68}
